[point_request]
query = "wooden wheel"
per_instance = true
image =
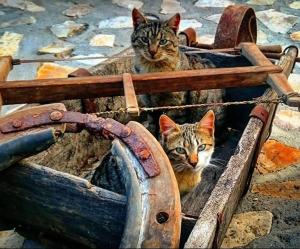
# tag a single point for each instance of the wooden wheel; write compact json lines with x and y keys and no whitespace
{"x":237,"y":24}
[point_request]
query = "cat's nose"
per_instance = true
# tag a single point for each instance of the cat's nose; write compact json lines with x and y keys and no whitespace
{"x":152,"y":51}
{"x":193,"y":164}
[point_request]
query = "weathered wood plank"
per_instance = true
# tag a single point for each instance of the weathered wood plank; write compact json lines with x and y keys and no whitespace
{"x":5,"y":67}
{"x":32,"y":91}
{"x":278,"y":81}
{"x":216,"y":215}
{"x":62,"y":204}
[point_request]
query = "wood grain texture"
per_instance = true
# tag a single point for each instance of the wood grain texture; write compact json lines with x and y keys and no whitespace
{"x":278,"y":81}
{"x":5,"y":67}
{"x":216,"y":215}
{"x":130,"y":96}
{"x":62,"y":204}
{"x":32,"y":91}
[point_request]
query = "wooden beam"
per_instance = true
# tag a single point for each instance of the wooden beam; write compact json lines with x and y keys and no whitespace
{"x":62,"y":204}
{"x":214,"y":219}
{"x":278,"y":81}
{"x":5,"y":67}
{"x":47,"y":90}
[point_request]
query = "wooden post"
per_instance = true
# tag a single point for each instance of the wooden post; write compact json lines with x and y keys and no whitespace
{"x":130,"y":97}
{"x":5,"y":67}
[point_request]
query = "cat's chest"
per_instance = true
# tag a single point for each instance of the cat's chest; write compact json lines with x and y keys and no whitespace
{"x":187,"y":180}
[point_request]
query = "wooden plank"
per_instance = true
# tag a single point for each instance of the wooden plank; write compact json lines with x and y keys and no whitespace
{"x":278,"y":81}
{"x":216,"y":215}
{"x":5,"y":67}
{"x":59,"y":203}
{"x":32,"y":91}
{"x":132,"y":106}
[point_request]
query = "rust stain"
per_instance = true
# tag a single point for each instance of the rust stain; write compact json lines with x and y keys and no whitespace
{"x":287,"y":190}
{"x":276,"y":156}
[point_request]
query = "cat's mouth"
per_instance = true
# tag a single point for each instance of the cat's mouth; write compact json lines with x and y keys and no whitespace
{"x":151,"y":58}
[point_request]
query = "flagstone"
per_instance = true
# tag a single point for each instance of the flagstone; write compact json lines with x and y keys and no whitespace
{"x":295,"y":36}
{"x":213,"y":3}
{"x":277,"y":21}
{"x":288,"y":120}
{"x":246,"y":227}
{"x":189,"y":23}
{"x":103,"y":40}
{"x":68,"y":28}
{"x":116,"y":23}
{"x":171,"y":7}
{"x":262,"y":37}
{"x":58,"y":47}
{"x":295,"y":5}
{"x":53,"y":70}
{"x":18,"y":21}
{"x":78,"y":10}
{"x":286,"y":190}
{"x":261,"y":2}
{"x":214,"y":18}
{"x":11,"y":239}
{"x":129,"y":4}
{"x":90,"y":62}
{"x":276,"y":156}
{"x":294,"y":81}
{"x":23,"y":5}
{"x":9,"y":43}
{"x":206,"y":39}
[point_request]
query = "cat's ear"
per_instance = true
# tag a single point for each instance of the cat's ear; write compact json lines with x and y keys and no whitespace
{"x":208,"y":122}
{"x":167,"y":125}
{"x":173,"y":22}
{"x":137,"y":18}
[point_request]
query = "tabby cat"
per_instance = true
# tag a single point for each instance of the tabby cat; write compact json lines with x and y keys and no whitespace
{"x":156,"y":47}
{"x":189,"y":148}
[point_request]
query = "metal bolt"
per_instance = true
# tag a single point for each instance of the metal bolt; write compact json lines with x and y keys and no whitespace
{"x":144,"y":154}
{"x":56,"y":115}
{"x":126,"y":131}
{"x":17,"y":123}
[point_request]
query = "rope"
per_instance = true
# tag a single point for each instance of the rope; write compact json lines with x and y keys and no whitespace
{"x":180,"y":107}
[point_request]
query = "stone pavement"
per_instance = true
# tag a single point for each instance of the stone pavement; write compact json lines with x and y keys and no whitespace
{"x":268,"y":215}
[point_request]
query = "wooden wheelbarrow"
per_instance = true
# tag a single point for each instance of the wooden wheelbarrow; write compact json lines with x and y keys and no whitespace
{"x":150,"y":213}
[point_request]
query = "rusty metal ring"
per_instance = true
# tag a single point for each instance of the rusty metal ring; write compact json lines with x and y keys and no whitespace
{"x":237,"y":24}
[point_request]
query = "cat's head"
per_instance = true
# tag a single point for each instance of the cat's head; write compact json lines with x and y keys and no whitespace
{"x":188,"y":146}
{"x":155,"y":40}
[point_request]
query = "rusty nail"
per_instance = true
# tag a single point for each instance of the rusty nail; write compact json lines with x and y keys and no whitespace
{"x":17,"y":123}
{"x":126,"y":131}
{"x":144,"y":154}
{"x":56,"y":115}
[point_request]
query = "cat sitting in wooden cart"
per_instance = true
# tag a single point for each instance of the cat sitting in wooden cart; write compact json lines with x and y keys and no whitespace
{"x":188,"y":146}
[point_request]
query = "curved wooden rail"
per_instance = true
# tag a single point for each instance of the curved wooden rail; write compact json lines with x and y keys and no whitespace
{"x":153,"y":204}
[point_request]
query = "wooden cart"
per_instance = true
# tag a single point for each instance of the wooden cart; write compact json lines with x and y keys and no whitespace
{"x":150,"y":215}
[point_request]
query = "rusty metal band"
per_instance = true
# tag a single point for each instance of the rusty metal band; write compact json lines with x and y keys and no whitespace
{"x":261,"y":113}
{"x":107,"y":128}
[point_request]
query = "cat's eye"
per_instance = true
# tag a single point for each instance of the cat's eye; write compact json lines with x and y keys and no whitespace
{"x":163,"y":42}
{"x":202,"y":147}
{"x":180,"y":150}
{"x":145,"y":39}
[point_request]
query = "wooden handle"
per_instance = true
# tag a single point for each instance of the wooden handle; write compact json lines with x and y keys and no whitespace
{"x":270,"y":48}
{"x":278,"y":81}
{"x":5,"y":67}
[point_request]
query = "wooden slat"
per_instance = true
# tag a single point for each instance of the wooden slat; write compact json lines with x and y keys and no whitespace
{"x":59,"y":203}
{"x":5,"y":67}
{"x":214,"y":219}
{"x":130,"y":97}
{"x":278,"y":81}
{"x":32,"y":91}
